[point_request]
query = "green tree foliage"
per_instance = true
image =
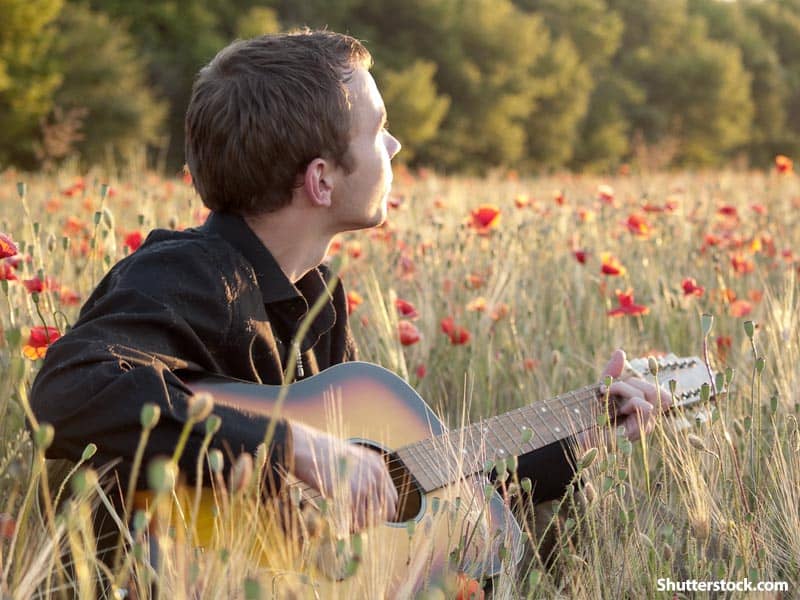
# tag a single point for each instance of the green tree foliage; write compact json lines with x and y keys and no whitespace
{"x":469,"y":84}
{"x":695,"y":90}
{"x":104,"y":78}
{"x":27,"y":75}
{"x":769,"y":90}
{"x":416,"y":109}
{"x":563,"y":89}
{"x":256,"y":21}
{"x":176,"y":38}
{"x":587,"y":35}
{"x":779,"y":21}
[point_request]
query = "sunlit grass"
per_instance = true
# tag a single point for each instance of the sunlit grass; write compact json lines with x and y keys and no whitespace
{"x":711,"y":501}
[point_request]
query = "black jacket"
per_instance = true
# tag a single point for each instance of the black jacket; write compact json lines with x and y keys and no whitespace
{"x":208,"y":299}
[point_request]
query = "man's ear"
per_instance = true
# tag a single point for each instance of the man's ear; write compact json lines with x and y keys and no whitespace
{"x":318,"y":182}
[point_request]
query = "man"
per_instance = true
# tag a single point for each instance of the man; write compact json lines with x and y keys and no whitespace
{"x":287,"y":145}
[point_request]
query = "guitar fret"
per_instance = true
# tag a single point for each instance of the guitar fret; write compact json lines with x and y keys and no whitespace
{"x":543,"y":414}
{"x":511,"y":447}
{"x":419,"y":472}
{"x":425,"y":453}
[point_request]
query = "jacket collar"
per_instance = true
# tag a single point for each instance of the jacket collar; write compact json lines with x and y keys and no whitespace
{"x":274,"y":285}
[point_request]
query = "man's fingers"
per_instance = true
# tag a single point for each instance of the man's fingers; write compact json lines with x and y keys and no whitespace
{"x":651,"y":392}
{"x":624,"y":390}
{"x":615,"y":364}
{"x":638,"y":417}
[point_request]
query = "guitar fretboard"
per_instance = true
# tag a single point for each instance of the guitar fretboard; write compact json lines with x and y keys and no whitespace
{"x":441,"y":460}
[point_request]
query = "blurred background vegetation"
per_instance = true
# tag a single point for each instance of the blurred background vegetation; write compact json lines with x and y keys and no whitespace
{"x":470,"y":85}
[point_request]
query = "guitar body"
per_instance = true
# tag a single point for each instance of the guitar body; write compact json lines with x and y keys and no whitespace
{"x":453,"y":527}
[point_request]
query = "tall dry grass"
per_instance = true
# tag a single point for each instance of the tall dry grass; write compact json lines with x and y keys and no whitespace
{"x":714,"y":500}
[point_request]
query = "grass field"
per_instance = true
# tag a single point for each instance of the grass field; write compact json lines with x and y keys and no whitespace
{"x":496,"y":292}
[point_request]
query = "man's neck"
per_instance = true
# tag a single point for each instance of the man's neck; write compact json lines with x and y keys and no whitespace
{"x":297,"y":246}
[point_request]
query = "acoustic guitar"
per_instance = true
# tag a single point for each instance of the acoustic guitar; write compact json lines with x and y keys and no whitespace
{"x":449,"y":515}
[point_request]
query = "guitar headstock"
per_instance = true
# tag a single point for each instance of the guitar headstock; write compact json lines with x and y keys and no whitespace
{"x":690,"y":375}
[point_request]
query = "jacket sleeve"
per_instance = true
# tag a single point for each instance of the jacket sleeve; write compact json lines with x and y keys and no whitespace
{"x":146,"y":320}
{"x":551,"y":469}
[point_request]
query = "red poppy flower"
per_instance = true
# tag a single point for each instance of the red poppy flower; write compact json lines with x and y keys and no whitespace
{"x":186,"y":175}
{"x":336,"y":245}
{"x":484,"y":218}
{"x":409,"y":334}
{"x":728,"y":210}
{"x":478,"y":304}
{"x":499,"y":311}
{"x":755,"y":295}
{"x":783,"y":164}
{"x":724,"y":344}
{"x":468,"y":588}
{"x":7,"y":246}
{"x":638,"y":225}
{"x":406,"y":309}
{"x":8,"y":526}
{"x":522,"y":200}
{"x":133,"y":240}
{"x":627,"y":306}
{"x":605,"y":193}
{"x":690,"y":288}
{"x":586,"y":215}
{"x":34,"y":285}
{"x":710,"y":239}
{"x":407,"y":266}
{"x":580,"y":255}
{"x":7,"y":272}
{"x":610,"y":265}
{"x":69,"y":297}
{"x":395,"y":200}
{"x":458,"y":335}
{"x":39,"y":340}
{"x":740,"y":308}
{"x":421,"y":371}
{"x":74,"y":189}
{"x":758,"y":208}
{"x":742,"y":265}
{"x":354,"y":249}
{"x":559,"y":198}
{"x":530,"y":364}
{"x":74,"y":227}
{"x":475,"y":281}
{"x":354,"y":300}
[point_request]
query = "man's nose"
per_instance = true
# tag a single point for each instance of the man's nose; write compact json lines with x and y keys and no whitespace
{"x":393,"y":146}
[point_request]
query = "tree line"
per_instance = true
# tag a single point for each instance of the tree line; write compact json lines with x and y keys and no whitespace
{"x":469,"y":84}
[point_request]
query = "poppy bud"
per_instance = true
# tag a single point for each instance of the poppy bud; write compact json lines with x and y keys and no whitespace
{"x":44,"y":436}
{"x":216,"y":460}
{"x":84,"y":481}
{"x":89,"y":451}
{"x":162,"y":475}
{"x":149,"y":416}
{"x":200,"y":406}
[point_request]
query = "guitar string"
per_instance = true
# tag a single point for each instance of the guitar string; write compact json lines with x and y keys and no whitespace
{"x":573,"y":400}
{"x":420,"y":454}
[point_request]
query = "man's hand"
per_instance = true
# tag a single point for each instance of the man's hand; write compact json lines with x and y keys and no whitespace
{"x":637,"y":402}
{"x":318,"y":461}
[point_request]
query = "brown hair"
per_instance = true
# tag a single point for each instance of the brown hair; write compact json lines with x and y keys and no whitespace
{"x":262,"y":110}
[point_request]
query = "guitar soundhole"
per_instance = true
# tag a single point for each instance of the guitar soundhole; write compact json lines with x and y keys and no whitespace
{"x":409,"y":496}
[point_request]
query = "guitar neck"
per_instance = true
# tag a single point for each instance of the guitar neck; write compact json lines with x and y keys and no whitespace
{"x":443,"y":459}
{"x":440,"y":460}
